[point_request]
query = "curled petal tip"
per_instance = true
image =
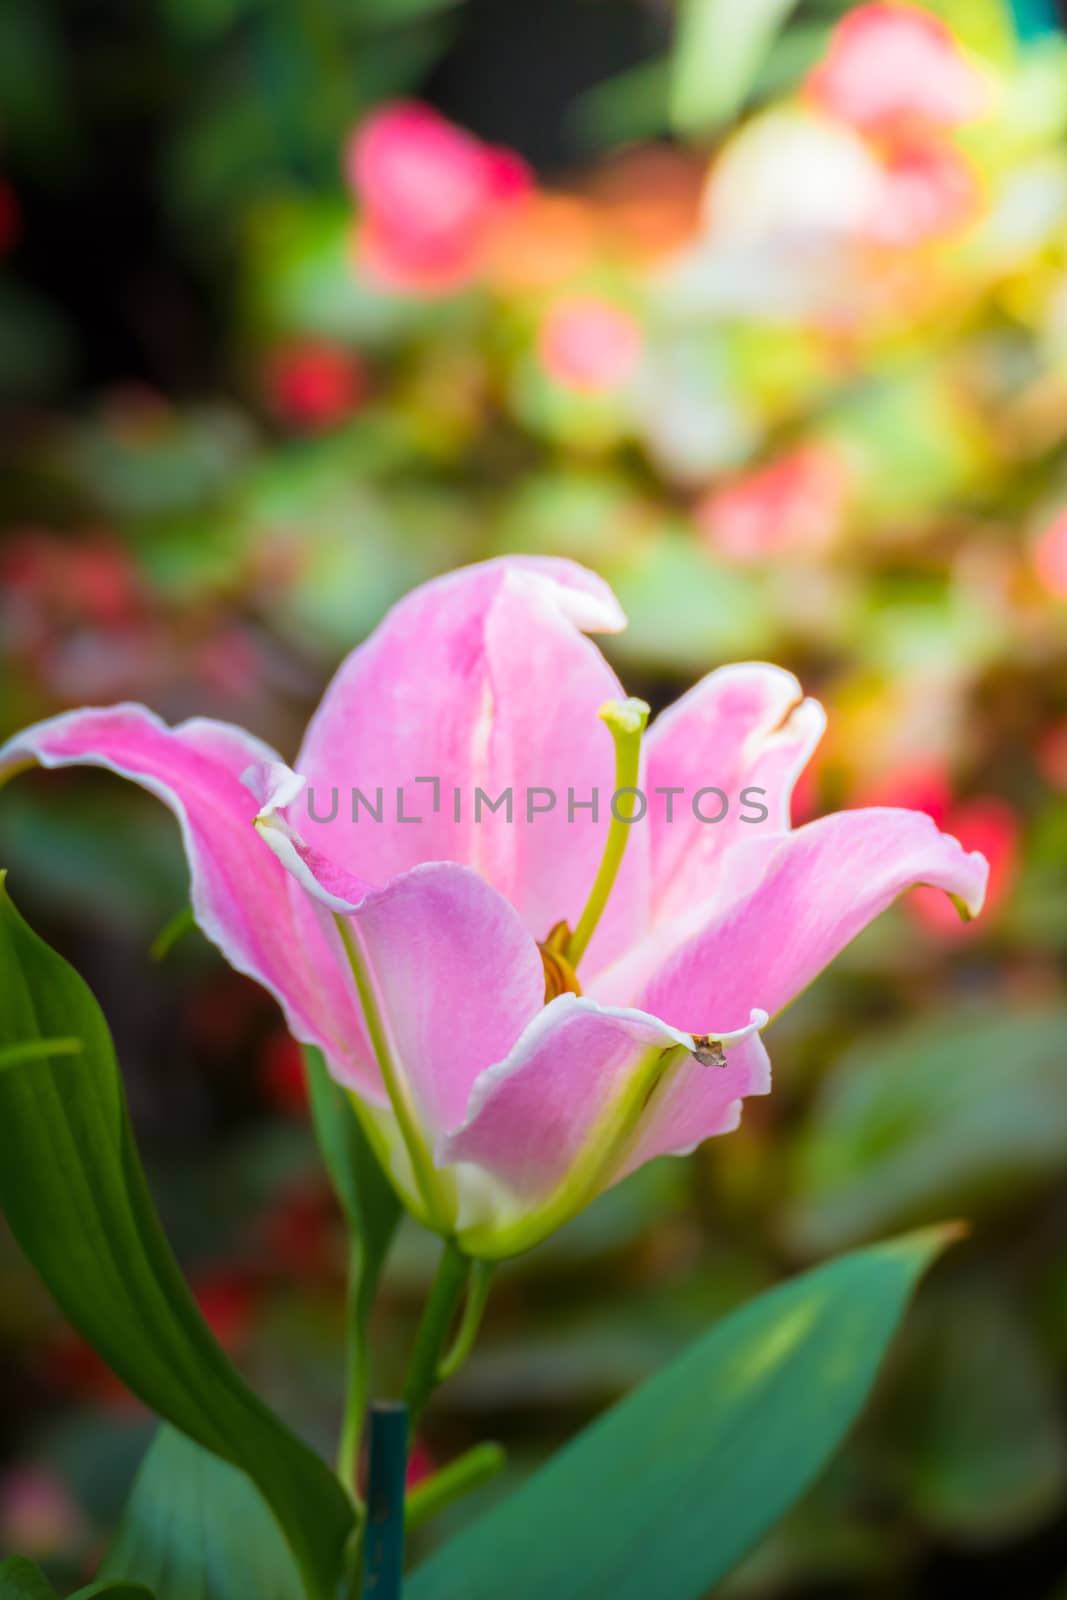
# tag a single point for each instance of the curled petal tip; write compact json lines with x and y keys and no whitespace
{"x":273,"y":784}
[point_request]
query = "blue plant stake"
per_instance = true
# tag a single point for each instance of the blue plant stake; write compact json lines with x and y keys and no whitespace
{"x":383,"y":1547}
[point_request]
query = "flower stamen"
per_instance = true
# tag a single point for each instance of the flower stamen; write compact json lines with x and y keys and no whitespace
{"x":560,"y":976}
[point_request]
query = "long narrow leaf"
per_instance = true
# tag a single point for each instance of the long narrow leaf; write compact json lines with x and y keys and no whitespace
{"x":74,"y":1192}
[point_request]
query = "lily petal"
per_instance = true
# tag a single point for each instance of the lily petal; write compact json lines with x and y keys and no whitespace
{"x":576,"y":1105}
{"x":242,"y":899}
{"x":741,"y":727}
{"x":457,"y":978}
{"x":784,"y":908}
{"x":480,"y":680}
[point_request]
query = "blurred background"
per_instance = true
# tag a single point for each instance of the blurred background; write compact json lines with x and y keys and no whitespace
{"x":760,"y":310}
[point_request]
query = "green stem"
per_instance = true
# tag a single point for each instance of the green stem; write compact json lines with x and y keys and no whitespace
{"x":627,"y":720}
{"x":357,"y":1365}
{"x":421,"y":1165}
{"x":477,"y":1294}
{"x":469,"y":1471}
{"x":453,"y":1270}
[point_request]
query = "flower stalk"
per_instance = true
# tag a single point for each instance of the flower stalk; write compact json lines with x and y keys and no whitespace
{"x":453,"y":1274}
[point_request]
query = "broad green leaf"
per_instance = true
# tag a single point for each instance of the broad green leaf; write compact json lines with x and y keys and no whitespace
{"x":720,"y":47}
{"x":194,"y":1528}
{"x":668,"y":1490}
{"x":75,"y":1195}
{"x":947,"y":1114}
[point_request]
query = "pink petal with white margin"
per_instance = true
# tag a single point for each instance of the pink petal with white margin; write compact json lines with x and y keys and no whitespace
{"x":242,"y":899}
{"x":746,"y":726}
{"x":784,"y":908}
{"x":698,"y":1101}
{"x":559,"y":1096}
{"x":481,"y":679}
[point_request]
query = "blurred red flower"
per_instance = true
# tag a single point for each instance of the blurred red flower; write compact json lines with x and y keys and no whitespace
{"x":313,"y":384}
{"x":1052,"y":754}
{"x":921,"y":784}
{"x":988,"y":824}
{"x":281,"y":1073}
{"x":10,"y":217}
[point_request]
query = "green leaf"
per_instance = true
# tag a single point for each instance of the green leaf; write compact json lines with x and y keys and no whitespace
{"x":195,"y":1528}
{"x":75,"y":1195}
{"x":21,"y":1580}
{"x":632,"y":105}
{"x":948,"y":1114}
{"x":114,"y":1591}
{"x":720,"y":47}
{"x":668,"y":1490}
{"x":367,"y":1198}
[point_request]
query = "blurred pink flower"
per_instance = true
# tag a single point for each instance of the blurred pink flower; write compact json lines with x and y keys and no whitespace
{"x":432,"y":196}
{"x":793,"y":504}
{"x":228,"y":1302}
{"x":314,"y":384}
{"x":929,"y":188}
{"x":896,"y":65}
{"x":589,"y":344}
{"x":230,"y":662}
{"x":1050,"y":556}
{"x":38,"y":1516}
{"x":505,"y":1068}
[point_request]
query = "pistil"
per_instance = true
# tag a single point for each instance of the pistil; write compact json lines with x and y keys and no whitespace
{"x":626,"y":720}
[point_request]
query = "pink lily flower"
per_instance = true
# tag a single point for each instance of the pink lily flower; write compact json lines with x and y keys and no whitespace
{"x":525,"y":1010}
